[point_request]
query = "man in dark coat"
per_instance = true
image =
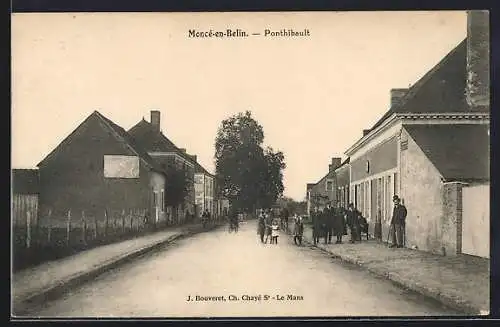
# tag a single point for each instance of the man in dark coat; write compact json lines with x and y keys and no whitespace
{"x":316,"y":222}
{"x":261,"y":227}
{"x":353,"y":222}
{"x":328,"y":221}
{"x":338,"y":223}
{"x":398,"y":222}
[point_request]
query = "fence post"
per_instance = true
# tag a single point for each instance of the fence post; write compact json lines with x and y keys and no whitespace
{"x":28,"y":229}
{"x":84,"y":228}
{"x":106,"y":223}
{"x":49,"y":223}
{"x":95,"y":226}
{"x":68,"y":228}
{"x":131,"y":220}
{"x":123,"y":221}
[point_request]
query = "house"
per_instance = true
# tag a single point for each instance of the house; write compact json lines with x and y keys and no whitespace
{"x":342,"y":178}
{"x":324,"y":191}
{"x":25,"y":190}
{"x":432,"y":149}
{"x":165,"y":153}
{"x":99,"y":167}
{"x":204,"y":186}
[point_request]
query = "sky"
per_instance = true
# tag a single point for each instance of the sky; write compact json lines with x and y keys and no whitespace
{"x":313,"y":95}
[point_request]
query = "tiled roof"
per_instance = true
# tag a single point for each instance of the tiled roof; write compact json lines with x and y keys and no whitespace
{"x":459,"y":152}
{"x":440,"y":90}
{"x":25,"y":181}
{"x":151,"y":140}
{"x":199,"y":169}
{"x":119,"y":132}
{"x":129,"y":139}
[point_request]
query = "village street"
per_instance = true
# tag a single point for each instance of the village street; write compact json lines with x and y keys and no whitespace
{"x":219,"y":264}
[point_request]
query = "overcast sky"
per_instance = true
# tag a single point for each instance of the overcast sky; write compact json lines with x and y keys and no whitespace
{"x":313,"y":95}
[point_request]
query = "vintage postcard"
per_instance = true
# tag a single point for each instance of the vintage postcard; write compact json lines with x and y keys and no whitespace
{"x":258,"y":164}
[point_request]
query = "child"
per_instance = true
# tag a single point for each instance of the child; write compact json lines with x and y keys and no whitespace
{"x":275,"y":232}
{"x":298,"y":231}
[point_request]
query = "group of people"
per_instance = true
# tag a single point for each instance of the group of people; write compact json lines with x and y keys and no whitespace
{"x":268,"y":227}
{"x":334,"y":221}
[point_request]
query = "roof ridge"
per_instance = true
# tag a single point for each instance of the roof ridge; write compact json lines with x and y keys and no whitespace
{"x":51,"y":153}
{"x":426,"y":77}
{"x":413,"y":89}
{"x":128,"y":140}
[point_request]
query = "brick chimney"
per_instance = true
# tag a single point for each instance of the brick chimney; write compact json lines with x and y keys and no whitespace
{"x":478,"y":53}
{"x":155,"y":120}
{"x":335,"y":163}
{"x":183,"y":150}
{"x":366,"y":131}
{"x":397,"y":95}
{"x":195,"y":158}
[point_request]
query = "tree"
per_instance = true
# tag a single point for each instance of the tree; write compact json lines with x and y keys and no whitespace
{"x":247,"y":175}
{"x":177,"y":186}
{"x":294,"y":207}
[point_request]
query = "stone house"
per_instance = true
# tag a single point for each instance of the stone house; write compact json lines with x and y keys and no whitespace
{"x":342,"y":177}
{"x":432,"y":140}
{"x":100,"y":167}
{"x":324,"y":191}
{"x":204,"y":186}
{"x":165,"y":153}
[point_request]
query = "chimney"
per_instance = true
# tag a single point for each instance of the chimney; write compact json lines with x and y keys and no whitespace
{"x":478,"y":53}
{"x":155,"y":120}
{"x":195,"y":158}
{"x":330,"y":168}
{"x":397,"y":95}
{"x":183,"y":150}
{"x":335,"y":163}
{"x":366,"y":131}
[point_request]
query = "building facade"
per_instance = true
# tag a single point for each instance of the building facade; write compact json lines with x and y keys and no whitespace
{"x":343,"y":178}
{"x":166,"y":154}
{"x":99,"y":168}
{"x":204,"y":184}
{"x":325,"y":190}
{"x":433,"y":140}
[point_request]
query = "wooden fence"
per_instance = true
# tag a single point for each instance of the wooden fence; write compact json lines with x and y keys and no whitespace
{"x":76,"y":228}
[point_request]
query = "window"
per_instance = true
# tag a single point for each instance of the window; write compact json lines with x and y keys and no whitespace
{"x":162,"y":201}
{"x":155,"y":198}
{"x":396,"y":189}
{"x":329,"y":186}
{"x":366,"y":213}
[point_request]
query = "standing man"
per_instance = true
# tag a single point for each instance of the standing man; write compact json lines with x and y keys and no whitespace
{"x":352,"y":222}
{"x":338,"y":223}
{"x":316,"y":220}
{"x":328,"y":216}
{"x":398,"y":222}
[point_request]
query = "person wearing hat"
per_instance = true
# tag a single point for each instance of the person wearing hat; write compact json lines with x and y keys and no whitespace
{"x":353,"y":222}
{"x":316,"y":222}
{"x":329,"y":221}
{"x":398,"y":222}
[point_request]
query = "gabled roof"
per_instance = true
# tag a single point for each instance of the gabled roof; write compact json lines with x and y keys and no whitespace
{"x":440,"y":90}
{"x":200,"y":170}
{"x":459,"y":152}
{"x":119,"y":133}
{"x":129,"y":140}
{"x":144,"y":133}
{"x":25,"y":181}
{"x":345,"y":162}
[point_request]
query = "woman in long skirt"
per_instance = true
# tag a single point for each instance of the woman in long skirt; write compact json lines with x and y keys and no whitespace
{"x":261,"y":229}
